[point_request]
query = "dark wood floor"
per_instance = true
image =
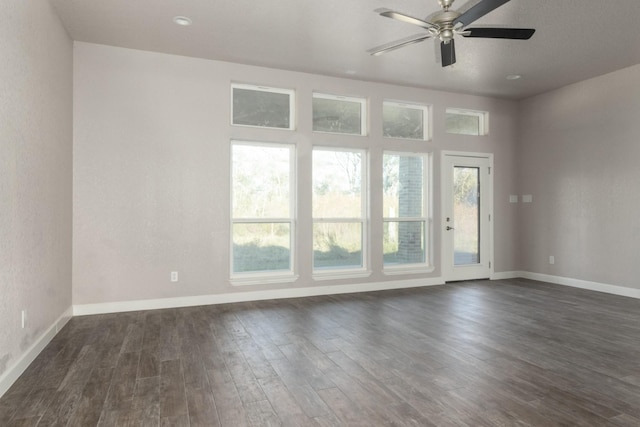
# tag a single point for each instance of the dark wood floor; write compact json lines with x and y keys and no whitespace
{"x":511,"y":352}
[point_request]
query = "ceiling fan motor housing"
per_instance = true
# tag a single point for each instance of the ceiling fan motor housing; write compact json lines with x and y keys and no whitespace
{"x":444,"y":21}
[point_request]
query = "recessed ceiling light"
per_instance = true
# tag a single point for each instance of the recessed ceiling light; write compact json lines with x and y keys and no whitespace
{"x":182,"y":20}
{"x":514,"y":77}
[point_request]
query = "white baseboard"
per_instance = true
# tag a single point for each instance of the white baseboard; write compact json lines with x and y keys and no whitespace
{"x":12,"y":374}
{"x":583,"y":284}
{"x":505,"y":275}
{"x":152,"y":304}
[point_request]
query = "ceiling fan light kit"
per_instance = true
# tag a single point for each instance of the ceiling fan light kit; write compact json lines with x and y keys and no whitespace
{"x":448,"y":24}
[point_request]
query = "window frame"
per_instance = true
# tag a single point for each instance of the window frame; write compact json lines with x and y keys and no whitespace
{"x":364,"y":131}
{"x":483,"y":120}
{"x":266,"y":276}
{"x":427,"y":217}
{"x":426,"y":118}
{"x":268,"y":89}
{"x":348,"y":272}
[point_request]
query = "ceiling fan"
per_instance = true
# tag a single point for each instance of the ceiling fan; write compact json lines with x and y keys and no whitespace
{"x":447,"y":24}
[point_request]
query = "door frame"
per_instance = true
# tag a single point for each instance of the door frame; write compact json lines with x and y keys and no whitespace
{"x":487,"y":191}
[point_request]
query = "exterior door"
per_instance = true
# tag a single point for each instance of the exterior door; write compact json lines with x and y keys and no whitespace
{"x":467,"y":189}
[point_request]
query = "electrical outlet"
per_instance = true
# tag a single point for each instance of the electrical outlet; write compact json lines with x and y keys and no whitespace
{"x":174,"y":276}
{"x":552,"y":259}
{"x":24,"y":318}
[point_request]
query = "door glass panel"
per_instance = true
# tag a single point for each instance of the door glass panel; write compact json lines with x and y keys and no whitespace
{"x":466,"y":214}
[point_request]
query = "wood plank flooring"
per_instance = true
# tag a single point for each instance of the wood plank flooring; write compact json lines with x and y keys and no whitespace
{"x":501,"y":353}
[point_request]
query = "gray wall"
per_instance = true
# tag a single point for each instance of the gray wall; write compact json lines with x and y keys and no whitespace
{"x":151,"y":170}
{"x":579,"y":158}
{"x":35,"y":174}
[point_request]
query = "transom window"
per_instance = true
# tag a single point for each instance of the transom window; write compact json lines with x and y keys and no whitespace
{"x":406,"y":211}
{"x":467,"y":122}
{"x":262,"y":226}
{"x":262,"y":106}
{"x":339,"y":114}
{"x":402,"y":120}
{"x":339,"y":210}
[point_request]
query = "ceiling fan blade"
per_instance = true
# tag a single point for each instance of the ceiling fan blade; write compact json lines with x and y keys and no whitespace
{"x":397,"y":44}
{"x":499,"y":33}
{"x":478,"y":11}
{"x":448,"y":52}
{"x":404,"y":18}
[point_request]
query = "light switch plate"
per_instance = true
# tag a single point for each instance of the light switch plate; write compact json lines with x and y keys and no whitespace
{"x":527,"y":198}
{"x":513,"y":198}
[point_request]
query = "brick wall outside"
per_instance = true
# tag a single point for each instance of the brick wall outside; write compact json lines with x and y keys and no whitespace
{"x":410,"y":234}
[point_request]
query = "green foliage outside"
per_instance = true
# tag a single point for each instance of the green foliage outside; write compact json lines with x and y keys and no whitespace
{"x":256,"y":108}
{"x":337,"y":245}
{"x":402,"y":122}
{"x":260,"y":245}
{"x":466,"y":214}
{"x":463,"y":124}
{"x":339,"y":116}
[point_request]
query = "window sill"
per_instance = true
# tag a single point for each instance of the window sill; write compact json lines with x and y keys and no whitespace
{"x":408,"y":269}
{"x":263,"y":279}
{"x":339,"y":133}
{"x":337,"y":274}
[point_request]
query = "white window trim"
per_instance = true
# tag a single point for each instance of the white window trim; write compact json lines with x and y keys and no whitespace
{"x":427,"y":209}
{"x":363,"y":112}
{"x":426,"y":119}
{"x":348,"y":272}
{"x":337,"y":274}
{"x":266,"y":277}
{"x":262,"y":278}
{"x":408,"y":269}
{"x":292,"y":103}
{"x":483,"y":120}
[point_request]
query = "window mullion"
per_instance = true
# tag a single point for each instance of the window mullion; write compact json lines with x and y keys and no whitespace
{"x":331,"y":220}
{"x":261,"y":220}
{"x":404,"y":219}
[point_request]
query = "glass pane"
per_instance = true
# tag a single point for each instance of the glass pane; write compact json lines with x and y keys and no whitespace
{"x":337,"y":184}
{"x":261,"y":247}
{"x":259,"y":108}
{"x":464,"y":124}
{"x":404,"y":242}
{"x":261,"y":177}
{"x":337,"y":245}
{"x":466,"y":214}
{"x":402,"y":122}
{"x":336,"y":115}
{"x":403,"y":179}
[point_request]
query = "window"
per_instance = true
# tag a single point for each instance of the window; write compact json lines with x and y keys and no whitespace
{"x":406,"y":218}
{"x":262,"y":106}
{"x":339,"y":114}
{"x":408,"y":121}
{"x":339,"y":206}
{"x":467,"y":122}
{"x":262,"y":209}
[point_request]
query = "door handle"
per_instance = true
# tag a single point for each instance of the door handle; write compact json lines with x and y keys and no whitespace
{"x":449,"y":228}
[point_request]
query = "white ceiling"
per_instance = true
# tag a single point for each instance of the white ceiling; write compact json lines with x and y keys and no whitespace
{"x":575,"y":39}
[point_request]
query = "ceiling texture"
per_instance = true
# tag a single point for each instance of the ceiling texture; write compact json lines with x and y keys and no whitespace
{"x":574,"y":39}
